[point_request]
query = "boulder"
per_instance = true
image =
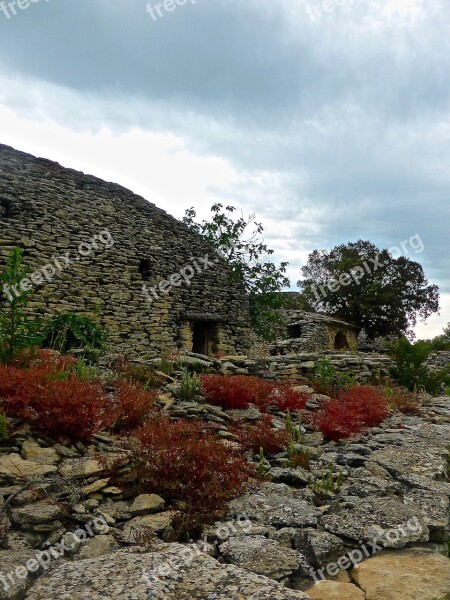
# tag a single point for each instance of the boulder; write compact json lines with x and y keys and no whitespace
{"x":335,"y":590}
{"x":147,"y":504}
{"x":385,"y":521}
{"x":415,"y":574}
{"x":261,"y":556}
{"x":172,"y":572}
{"x":278,"y":511}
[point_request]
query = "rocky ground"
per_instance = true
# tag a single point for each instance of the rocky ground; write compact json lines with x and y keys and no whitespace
{"x":381,"y":536}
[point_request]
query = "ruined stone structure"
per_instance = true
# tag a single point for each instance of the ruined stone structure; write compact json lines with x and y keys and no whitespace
{"x":93,"y":245}
{"x":312,"y":332}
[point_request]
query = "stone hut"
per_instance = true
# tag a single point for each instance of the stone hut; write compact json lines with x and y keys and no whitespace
{"x":314,"y":332}
{"x":97,"y":249}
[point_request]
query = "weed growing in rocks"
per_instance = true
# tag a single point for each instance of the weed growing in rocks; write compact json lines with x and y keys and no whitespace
{"x":191,"y":386}
{"x":138,"y":373}
{"x":297,"y":457}
{"x":326,"y":485}
{"x":261,"y":469}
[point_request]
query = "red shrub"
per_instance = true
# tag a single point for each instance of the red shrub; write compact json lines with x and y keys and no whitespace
{"x":132,"y":404}
{"x":51,"y":360}
{"x":238,"y":391}
{"x":261,"y":435}
{"x":356,"y":408}
{"x":180,"y":462}
{"x":58,"y":407}
{"x":287,"y":399}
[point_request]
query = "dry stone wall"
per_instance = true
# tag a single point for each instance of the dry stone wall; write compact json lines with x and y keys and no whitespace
{"x":296,"y":367}
{"x":117,"y":242}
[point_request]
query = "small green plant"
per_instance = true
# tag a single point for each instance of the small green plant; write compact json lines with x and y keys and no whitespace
{"x":71,"y":331}
{"x":324,"y":372}
{"x":297,"y":457}
{"x":169,"y":362}
{"x":325,"y":484}
{"x":328,"y":380}
{"x":3,"y":428}
{"x":261,"y":469}
{"x":85,"y":371}
{"x":17,"y":330}
{"x":191,"y":386}
{"x":295,"y":431}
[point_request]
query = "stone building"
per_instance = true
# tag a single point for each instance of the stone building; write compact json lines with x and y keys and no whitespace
{"x":97,"y":249}
{"x":313,"y":332}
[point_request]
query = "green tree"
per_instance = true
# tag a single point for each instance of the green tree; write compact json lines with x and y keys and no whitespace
{"x":369,"y":287}
{"x":441,"y":342}
{"x":17,"y":330}
{"x":238,"y":241}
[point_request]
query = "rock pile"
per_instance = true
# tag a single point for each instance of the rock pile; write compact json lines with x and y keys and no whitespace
{"x":68,"y":532}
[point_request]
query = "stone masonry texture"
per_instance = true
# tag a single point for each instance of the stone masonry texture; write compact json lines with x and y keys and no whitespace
{"x":48,"y":211}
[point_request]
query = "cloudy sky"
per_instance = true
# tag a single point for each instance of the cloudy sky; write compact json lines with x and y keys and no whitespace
{"x":330,"y":120}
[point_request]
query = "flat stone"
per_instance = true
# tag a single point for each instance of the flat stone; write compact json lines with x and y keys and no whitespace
{"x":172,"y":572}
{"x":36,"y":514}
{"x":261,"y":556}
{"x":80,"y":468}
{"x":42,"y":456}
{"x":147,"y":504}
{"x":14,"y":467}
{"x":94,"y":487}
{"x":386,"y":520}
{"x":98,"y":546}
{"x":412,"y":461}
{"x":278,"y":511}
{"x":334,"y":590}
{"x":415,"y":574}
{"x":297,"y":476}
{"x":159,"y":523}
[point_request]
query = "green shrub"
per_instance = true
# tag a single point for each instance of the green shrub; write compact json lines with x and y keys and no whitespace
{"x":328,"y":380}
{"x":70,"y":331}
{"x":410,"y":370}
{"x":191,"y":386}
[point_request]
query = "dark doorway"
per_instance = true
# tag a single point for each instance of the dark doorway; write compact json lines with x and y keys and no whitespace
{"x":294,"y":332}
{"x":340,"y":341}
{"x":204,"y":337}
